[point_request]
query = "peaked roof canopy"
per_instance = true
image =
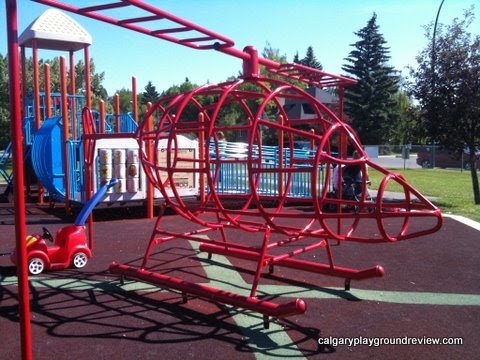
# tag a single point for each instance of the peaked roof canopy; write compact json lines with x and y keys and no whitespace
{"x":54,"y":30}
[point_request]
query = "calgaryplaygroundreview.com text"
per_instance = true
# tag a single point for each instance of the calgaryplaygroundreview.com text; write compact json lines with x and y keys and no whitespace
{"x":380,"y":341}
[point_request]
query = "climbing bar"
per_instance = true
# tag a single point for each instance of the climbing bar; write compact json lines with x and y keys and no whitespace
{"x":264,"y":307}
{"x":309,"y":75}
{"x":198,"y":37}
{"x":303,"y":265}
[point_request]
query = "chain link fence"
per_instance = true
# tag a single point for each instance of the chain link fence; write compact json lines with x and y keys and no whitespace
{"x":419,"y":156}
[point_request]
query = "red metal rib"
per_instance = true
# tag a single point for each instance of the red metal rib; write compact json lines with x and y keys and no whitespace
{"x":312,"y":76}
{"x":264,"y":307}
{"x":104,"y":7}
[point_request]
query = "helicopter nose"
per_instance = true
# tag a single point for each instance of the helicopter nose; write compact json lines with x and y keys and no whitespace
{"x":407,"y":214}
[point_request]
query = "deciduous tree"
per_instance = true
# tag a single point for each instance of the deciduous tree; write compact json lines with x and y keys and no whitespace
{"x":447,"y":86}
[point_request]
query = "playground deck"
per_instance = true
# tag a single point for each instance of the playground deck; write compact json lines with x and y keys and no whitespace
{"x":431,"y":289}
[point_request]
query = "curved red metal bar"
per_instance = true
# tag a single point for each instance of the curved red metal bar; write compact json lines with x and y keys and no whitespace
{"x":199,"y":113}
{"x":178,"y":116}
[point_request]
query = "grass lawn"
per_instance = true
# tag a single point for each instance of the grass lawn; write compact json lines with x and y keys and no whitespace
{"x":452,"y":188}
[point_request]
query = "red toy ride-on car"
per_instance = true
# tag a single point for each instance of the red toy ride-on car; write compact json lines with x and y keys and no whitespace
{"x":70,"y":244}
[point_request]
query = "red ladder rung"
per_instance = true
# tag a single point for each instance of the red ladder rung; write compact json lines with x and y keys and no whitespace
{"x":141,"y":19}
{"x":153,"y":13}
{"x":198,"y":39}
{"x":171,"y":30}
{"x":103,"y":7}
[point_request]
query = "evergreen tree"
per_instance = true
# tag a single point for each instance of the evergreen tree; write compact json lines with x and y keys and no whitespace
{"x":370,"y":103}
{"x":150,"y":94}
{"x":310,"y":60}
{"x":296,"y":58}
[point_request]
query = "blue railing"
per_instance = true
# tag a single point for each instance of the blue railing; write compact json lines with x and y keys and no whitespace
{"x":3,"y":163}
{"x":233,"y":175}
{"x":75,"y":160}
{"x":28,"y":129}
{"x":127,"y":123}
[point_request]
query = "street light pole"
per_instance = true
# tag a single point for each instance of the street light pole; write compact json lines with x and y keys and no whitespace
{"x":433,"y":65}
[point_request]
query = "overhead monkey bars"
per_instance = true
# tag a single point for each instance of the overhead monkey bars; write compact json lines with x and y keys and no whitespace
{"x":203,"y":39}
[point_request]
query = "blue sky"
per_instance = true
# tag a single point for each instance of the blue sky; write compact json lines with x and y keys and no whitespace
{"x":289,"y":25}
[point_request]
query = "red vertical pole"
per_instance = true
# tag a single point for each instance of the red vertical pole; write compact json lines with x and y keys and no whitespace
{"x":65,"y":130}
{"x":88,"y":104}
{"x":24,"y":81}
{"x":36,"y":100}
{"x":36,"y":85}
{"x":16,"y":133}
{"x":342,"y":154}
{"x":134,"y":99}
{"x":281,"y":121}
{"x":342,"y":150}
{"x":116,"y":105}
{"x":88,"y":90}
{"x":101,"y":110}
{"x":312,"y":140}
{"x":88,"y":182}
{"x":201,"y":155}
{"x":48,"y":99}
{"x":73,"y":105}
{"x":151,"y":157}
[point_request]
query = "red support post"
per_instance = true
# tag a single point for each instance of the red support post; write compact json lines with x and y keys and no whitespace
{"x":151,"y":157}
{"x":36,"y":86}
{"x":19,"y":200}
{"x":88,"y":90}
{"x":250,"y":65}
{"x":134,"y":99}
{"x":116,"y":105}
{"x":281,"y":122}
{"x":23,"y":83}
{"x":101,"y":106}
{"x":73,"y":105}
{"x":48,"y":99}
{"x":65,"y":131}
{"x":201,"y":155}
{"x":36,"y":101}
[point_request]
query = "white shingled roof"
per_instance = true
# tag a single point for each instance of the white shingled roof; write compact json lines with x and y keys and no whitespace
{"x":55,"y":30}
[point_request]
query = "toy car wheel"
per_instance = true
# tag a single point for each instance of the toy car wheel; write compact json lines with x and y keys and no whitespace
{"x":35,"y":266}
{"x":79,"y":260}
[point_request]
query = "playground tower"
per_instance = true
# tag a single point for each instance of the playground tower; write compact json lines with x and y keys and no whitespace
{"x":54,"y":30}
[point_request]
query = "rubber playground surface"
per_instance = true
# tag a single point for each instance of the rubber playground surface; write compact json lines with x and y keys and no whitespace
{"x":430,"y":291}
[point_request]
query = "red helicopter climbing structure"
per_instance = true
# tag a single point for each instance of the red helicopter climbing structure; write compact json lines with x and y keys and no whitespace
{"x":256,"y":98}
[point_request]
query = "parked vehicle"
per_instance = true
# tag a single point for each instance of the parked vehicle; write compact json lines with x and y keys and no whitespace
{"x":428,"y":157}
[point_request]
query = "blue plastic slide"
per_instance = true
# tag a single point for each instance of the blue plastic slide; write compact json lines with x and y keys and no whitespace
{"x":47,"y":157}
{"x":90,"y":205}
